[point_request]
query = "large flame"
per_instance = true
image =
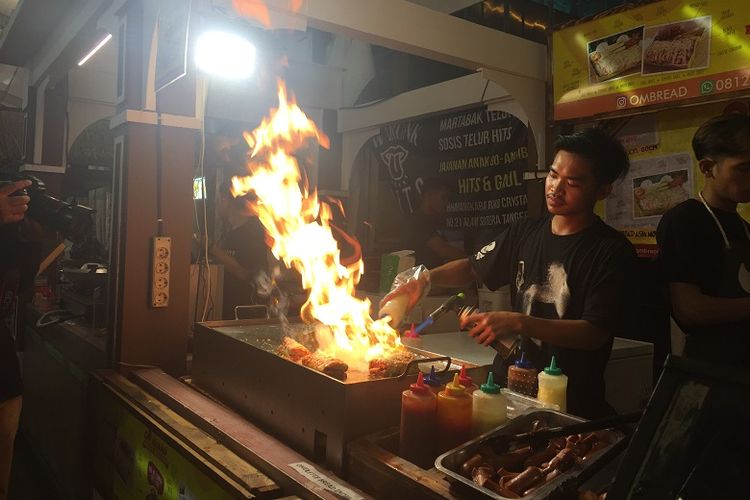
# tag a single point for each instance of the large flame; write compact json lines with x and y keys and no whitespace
{"x":257,"y":9}
{"x":299,"y":227}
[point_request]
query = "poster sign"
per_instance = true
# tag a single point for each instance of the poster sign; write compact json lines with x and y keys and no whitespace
{"x":660,"y":53}
{"x":479,"y":153}
{"x":172,"y":39}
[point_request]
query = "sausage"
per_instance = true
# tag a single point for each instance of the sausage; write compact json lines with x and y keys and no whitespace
{"x":480,"y":475}
{"x":551,"y":475}
{"x":514,"y":459}
{"x":543,"y":456}
{"x":577,"y":445}
{"x":525,"y":480}
{"x":564,"y":460}
{"x":495,"y":487}
{"x":469,"y":465}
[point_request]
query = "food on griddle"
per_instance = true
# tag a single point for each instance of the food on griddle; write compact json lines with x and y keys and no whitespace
{"x":322,"y":363}
{"x":391,"y":366}
{"x":295,"y":351}
{"x":518,"y":472}
{"x":292,"y":349}
{"x":615,"y":59}
{"x":674,"y":46}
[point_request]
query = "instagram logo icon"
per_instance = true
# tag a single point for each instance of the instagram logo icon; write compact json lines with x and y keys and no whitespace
{"x":622,"y":101}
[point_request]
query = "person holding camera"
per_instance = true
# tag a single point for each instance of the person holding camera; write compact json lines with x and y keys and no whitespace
{"x":12,"y":211}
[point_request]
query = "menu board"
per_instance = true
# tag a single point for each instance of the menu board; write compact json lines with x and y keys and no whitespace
{"x":479,"y":153}
{"x":657,"y":54}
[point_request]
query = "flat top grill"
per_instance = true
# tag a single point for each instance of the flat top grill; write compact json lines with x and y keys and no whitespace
{"x":267,"y":337}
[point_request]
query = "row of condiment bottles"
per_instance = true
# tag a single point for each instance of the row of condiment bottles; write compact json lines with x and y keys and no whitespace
{"x":437,"y":418}
{"x":549,"y":386}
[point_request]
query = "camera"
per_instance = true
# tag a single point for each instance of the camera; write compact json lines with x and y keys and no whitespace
{"x":72,"y":220}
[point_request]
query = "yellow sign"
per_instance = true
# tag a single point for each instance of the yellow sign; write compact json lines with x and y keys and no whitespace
{"x":660,"y":53}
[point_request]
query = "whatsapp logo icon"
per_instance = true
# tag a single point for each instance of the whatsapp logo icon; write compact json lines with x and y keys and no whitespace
{"x":707,"y":87}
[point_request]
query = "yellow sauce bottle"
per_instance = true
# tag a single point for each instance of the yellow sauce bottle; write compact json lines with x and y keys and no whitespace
{"x":453,"y":416}
{"x":553,"y":386}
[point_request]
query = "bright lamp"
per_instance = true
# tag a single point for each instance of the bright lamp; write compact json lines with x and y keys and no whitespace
{"x":226,"y":55}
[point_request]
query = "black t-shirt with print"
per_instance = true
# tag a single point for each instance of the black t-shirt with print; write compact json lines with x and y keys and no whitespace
{"x":692,"y":250}
{"x":584,"y":276}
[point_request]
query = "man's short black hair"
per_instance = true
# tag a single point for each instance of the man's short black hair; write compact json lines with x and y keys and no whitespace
{"x":607,"y":157}
{"x":726,"y":135}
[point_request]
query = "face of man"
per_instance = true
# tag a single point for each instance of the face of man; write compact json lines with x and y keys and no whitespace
{"x":730,"y":177}
{"x":571,"y":187}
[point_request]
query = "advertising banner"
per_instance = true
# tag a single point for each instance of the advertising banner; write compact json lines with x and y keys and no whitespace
{"x":479,"y":153}
{"x":657,"y":54}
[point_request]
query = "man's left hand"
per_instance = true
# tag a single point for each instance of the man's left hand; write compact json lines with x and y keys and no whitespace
{"x":490,"y":326}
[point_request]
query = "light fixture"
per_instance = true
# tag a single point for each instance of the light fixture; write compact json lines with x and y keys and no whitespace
{"x":225,"y":54}
{"x":96,"y":48}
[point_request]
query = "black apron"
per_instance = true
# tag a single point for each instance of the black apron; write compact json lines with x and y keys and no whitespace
{"x":734,"y":282}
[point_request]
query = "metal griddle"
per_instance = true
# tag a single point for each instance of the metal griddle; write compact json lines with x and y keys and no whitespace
{"x":235,"y":361}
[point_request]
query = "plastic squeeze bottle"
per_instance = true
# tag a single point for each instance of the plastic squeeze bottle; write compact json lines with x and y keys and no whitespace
{"x":466,"y":381}
{"x":418,"y":413}
{"x":522,"y":377}
{"x":489,"y":407}
{"x":453,"y":416}
{"x":395,"y":309}
{"x":553,"y":386}
{"x":433,"y":381}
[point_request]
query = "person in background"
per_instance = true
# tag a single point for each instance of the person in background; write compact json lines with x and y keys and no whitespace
{"x":421,"y":232}
{"x":704,"y":247}
{"x":241,"y":249}
{"x":570,"y":274}
{"x":13,"y":279}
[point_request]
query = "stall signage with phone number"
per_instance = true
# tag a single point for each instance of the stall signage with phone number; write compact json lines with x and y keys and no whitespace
{"x":661,"y":53}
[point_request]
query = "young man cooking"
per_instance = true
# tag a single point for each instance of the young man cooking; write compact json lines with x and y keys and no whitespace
{"x":568,"y":271}
{"x":704,"y":247}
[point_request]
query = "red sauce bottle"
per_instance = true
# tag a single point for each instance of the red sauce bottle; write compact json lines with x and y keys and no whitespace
{"x":465,"y":380}
{"x":418,"y":413}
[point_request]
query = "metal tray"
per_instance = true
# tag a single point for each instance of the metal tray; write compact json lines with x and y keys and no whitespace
{"x":450,"y":462}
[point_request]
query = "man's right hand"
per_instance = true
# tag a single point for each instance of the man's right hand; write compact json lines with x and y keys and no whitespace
{"x":13,"y":208}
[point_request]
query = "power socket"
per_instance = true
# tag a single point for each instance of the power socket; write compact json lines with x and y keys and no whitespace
{"x":161,"y":265}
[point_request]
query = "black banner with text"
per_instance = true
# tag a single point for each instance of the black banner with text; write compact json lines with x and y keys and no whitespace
{"x":480,"y":153}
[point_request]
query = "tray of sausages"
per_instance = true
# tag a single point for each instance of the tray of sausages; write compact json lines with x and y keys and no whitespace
{"x":490,"y":465}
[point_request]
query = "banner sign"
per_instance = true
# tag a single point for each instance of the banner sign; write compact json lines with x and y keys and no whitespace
{"x":660,"y":53}
{"x":479,"y":153}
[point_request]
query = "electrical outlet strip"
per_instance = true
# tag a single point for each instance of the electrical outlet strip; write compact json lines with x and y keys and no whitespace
{"x":161,"y":265}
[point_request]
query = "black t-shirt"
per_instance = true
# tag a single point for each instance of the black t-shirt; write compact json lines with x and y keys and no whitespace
{"x":246,"y":243}
{"x":581,"y":276}
{"x":692,"y":250}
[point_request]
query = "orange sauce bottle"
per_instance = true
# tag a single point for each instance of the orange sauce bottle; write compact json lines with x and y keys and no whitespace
{"x":453,"y":416}
{"x":418,"y":412}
